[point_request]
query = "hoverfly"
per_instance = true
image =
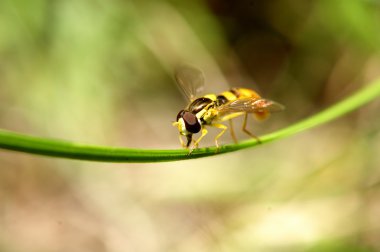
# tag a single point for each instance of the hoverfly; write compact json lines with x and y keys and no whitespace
{"x":212,"y":110}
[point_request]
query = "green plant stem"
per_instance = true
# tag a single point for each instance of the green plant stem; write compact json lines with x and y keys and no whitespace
{"x":65,"y":149}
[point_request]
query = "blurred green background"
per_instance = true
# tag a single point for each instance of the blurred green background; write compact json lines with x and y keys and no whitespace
{"x":100,"y":72}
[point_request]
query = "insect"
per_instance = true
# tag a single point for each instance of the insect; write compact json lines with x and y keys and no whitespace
{"x":212,"y":110}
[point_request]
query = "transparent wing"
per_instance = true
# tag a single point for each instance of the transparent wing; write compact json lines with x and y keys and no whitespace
{"x":251,"y":105}
{"x":190,"y":80}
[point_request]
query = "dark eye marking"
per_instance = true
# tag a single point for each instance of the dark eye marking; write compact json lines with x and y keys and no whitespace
{"x":199,"y":104}
{"x":191,"y":122}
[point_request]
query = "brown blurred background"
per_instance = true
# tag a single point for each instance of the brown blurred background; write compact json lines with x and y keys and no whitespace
{"x":100,"y":72}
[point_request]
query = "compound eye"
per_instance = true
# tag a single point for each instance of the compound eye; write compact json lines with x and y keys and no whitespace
{"x":191,"y":122}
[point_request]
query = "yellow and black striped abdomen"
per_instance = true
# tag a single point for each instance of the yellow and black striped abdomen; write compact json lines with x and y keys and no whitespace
{"x":234,"y":94}
{"x":241,"y":93}
{"x":244,"y":93}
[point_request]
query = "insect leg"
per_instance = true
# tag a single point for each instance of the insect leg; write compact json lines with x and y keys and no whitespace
{"x":223,"y":128}
{"x":244,"y":128}
{"x":232,"y":131}
{"x":230,"y":116}
{"x":195,"y":145}
{"x":181,"y":141}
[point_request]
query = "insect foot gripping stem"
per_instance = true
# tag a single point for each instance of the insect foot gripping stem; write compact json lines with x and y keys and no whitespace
{"x":196,"y":143}
{"x":223,"y":128}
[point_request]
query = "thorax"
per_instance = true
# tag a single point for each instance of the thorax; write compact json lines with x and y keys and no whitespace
{"x":203,"y":108}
